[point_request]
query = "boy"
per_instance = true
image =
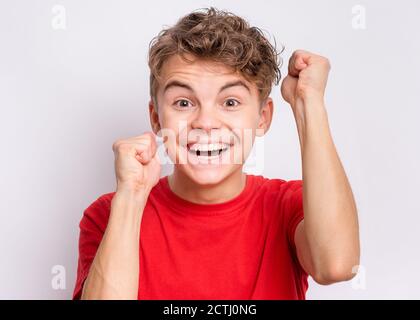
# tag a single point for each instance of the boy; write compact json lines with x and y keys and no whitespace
{"x":209,"y":231}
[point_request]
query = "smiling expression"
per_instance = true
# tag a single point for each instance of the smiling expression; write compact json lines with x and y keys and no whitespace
{"x":209,"y":116}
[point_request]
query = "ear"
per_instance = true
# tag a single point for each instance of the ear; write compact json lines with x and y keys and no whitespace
{"x":265,"y":117}
{"x":154,"y":117}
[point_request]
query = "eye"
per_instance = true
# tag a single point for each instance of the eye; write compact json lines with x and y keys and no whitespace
{"x":231,"y":103}
{"x":182,"y":103}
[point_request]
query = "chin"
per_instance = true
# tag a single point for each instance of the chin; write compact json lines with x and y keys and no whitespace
{"x":207,"y":174}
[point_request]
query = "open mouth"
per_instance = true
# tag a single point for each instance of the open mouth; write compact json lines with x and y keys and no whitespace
{"x":208,"y":150}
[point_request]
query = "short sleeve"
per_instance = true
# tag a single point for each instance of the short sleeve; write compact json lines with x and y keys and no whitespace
{"x":293,"y":213}
{"x":92,"y":227}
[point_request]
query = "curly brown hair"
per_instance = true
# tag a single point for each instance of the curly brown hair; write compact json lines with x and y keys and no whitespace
{"x":220,"y":36}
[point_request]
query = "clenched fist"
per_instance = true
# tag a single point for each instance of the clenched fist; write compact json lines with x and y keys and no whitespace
{"x":307,"y":77}
{"x":137,"y":166}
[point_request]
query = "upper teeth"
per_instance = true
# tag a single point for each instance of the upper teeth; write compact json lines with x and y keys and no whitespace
{"x":208,"y":147}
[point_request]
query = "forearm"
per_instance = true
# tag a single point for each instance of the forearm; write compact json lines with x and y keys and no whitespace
{"x":114,"y":273}
{"x":331,"y":223}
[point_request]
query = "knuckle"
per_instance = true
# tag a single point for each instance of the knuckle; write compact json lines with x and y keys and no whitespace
{"x":115,"y":145}
{"x":299,"y":52}
{"x":150,"y":139}
{"x":146,"y":142}
{"x":328,"y":63}
{"x":325,"y":61}
{"x":145,"y":136}
{"x":122,"y":146}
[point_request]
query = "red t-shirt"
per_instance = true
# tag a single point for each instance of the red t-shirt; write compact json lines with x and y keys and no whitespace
{"x":240,"y":249}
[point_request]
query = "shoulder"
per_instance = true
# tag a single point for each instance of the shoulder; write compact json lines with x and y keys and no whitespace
{"x":275,"y":185}
{"x":97,"y":212}
{"x":102,"y":201}
{"x":100,"y":208}
{"x":278,"y":192}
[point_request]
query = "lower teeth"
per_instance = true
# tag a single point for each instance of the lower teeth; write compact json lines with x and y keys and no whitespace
{"x":209,"y":153}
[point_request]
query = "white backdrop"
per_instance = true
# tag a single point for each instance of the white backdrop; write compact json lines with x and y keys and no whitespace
{"x":69,"y":88}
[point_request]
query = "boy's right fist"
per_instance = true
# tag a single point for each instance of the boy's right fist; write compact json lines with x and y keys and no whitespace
{"x":137,"y":166}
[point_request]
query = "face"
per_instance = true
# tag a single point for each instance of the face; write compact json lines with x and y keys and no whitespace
{"x":208,"y":116}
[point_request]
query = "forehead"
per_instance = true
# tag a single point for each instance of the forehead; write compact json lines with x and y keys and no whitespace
{"x":203,"y":71}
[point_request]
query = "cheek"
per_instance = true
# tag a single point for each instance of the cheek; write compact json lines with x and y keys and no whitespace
{"x":174,"y":119}
{"x":244,"y":123}
{"x":171,"y":120}
{"x":169,"y":129}
{"x":173,"y":130}
{"x":244,"y":127}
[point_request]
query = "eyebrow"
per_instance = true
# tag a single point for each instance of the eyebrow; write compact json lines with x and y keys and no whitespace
{"x":177,"y":83}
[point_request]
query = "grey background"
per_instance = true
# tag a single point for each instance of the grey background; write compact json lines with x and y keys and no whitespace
{"x":66,"y":95}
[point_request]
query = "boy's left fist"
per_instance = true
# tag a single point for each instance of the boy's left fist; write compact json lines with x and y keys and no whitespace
{"x":307,"y":77}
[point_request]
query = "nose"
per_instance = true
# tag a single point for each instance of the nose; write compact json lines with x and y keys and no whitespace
{"x":206,"y":118}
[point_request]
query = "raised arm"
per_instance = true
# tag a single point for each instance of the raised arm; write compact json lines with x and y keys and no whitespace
{"x":114,"y":272}
{"x":327,"y":240}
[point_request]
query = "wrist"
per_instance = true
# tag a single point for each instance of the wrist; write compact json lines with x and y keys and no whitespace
{"x":137,"y":193}
{"x":311,"y":119}
{"x":310,"y":108}
{"x":308,"y":93}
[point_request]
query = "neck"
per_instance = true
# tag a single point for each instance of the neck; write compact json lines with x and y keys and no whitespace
{"x":227,"y":189}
